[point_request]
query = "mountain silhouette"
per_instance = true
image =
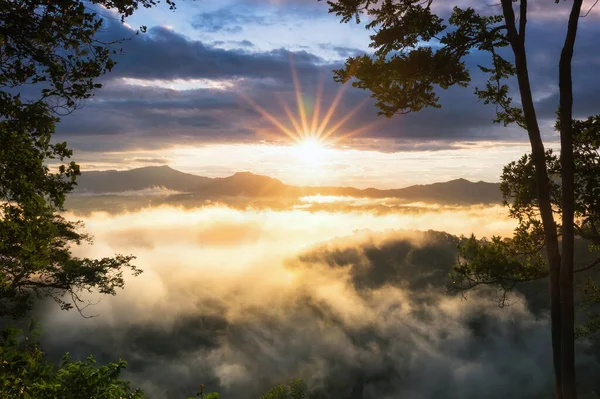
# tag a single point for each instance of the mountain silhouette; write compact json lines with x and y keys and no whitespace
{"x":244,"y":184}
{"x":113,"y":181}
{"x":247,"y":184}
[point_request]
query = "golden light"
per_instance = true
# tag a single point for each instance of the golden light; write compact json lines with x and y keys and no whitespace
{"x":310,"y":149}
{"x":310,"y":132}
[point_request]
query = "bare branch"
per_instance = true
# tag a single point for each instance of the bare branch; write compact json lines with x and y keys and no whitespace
{"x":588,"y":266}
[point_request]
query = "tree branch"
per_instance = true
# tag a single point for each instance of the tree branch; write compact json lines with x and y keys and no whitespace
{"x":588,"y":266}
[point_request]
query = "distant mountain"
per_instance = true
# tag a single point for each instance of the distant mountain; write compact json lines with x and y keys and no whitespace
{"x":113,"y":181}
{"x":459,"y":191}
{"x":246,"y":184}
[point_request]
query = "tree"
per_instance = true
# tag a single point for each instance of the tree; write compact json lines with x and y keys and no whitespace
{"x":417,"y":52}
{"x":294,"y":389}
{"x":25,"y":373}
{"x":505,"y":262}
{"x":50,"y":59}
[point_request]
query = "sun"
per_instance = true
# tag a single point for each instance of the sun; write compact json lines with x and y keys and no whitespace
{"x":310,"y":149}
{"x":312,"y":128}
{"x":311,"y":143}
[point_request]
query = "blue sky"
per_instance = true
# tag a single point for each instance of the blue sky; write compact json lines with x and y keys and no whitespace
{"x":203,"y":78}
{"x":264,"y":25}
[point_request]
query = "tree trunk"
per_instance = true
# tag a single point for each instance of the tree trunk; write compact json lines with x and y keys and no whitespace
{"x":565,"y":112}
{"x":538,"y":154}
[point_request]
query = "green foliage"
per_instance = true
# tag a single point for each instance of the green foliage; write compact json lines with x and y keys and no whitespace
{"x":519,"y":186}
{"x":501,"y":262}
{"x":37,"y":261}
{"x":505,"y":262}
{"x":202,"y":395}
{"x":294,"y":389}
{"x":52,"y":48}
{"x":26,"y":374}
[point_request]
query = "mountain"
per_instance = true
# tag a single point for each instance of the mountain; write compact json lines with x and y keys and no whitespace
{"x":246,"y":184}
{"x":459,"y":191}
{"x":113,"y":181}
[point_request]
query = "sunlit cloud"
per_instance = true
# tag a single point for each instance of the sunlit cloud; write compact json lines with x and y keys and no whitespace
{"x":155,"y":191}
{"x":181,"y":84}
{"x":244,"y":299}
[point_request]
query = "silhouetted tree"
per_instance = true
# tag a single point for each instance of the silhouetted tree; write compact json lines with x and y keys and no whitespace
{"x":417,"y":51}
{"x":50,"y":59}
{"x":506,"y":262}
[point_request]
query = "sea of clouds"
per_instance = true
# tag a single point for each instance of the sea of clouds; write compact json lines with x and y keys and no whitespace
{"x":354,"y":302}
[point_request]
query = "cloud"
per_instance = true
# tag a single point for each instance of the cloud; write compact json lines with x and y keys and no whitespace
{"x":159,"y":161}
{"x":342,"y":52}
{"x":145,"y":58}
{"x":235,"y":43}
{"x":225,"y":19}
{"x":192,"y":90}
{"x":241,"y":300}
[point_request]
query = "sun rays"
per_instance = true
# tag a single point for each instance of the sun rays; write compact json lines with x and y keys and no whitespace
{"x":305,"y":127}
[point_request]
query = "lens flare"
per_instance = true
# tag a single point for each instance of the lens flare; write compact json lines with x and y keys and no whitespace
{"x":309,"y":132}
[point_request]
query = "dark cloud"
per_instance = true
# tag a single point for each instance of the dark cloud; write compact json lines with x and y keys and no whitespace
{"x":165,"y":54}
{"x":226,"y":20}
{"x":151,"y":117}
{"x":342,"y":51}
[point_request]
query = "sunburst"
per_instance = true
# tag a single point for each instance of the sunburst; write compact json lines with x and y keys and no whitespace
{"x":308,"y":130}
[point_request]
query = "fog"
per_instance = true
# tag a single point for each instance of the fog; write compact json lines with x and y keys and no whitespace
{"x":352,"y":301}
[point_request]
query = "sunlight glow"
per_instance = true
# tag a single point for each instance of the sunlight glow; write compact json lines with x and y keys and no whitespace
{"x":311,"y":149}
{"x":311,"y":133}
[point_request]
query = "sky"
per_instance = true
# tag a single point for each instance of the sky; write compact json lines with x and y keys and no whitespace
{"x":209,"y":89}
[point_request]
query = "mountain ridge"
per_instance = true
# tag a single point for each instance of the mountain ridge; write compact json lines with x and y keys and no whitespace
{"x":249,"y":184}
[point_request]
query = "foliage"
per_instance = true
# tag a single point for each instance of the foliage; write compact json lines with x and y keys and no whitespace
{"x":25,"y":373}
{"x":416,"y":51}
{"x":202,"y":395}
{"x":498,"y":261}
{"x":37,"y":261}
{"x":294,"y":389}
{"x":505,"y":262}
{"x":519,"y":186}
{"x":50,"y":57}
{"x":50,"y":60}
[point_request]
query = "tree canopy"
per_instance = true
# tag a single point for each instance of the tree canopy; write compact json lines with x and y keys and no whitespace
{"x":508,"y":261}
{"x":51,"y":57}
{"x":25,"y":373}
